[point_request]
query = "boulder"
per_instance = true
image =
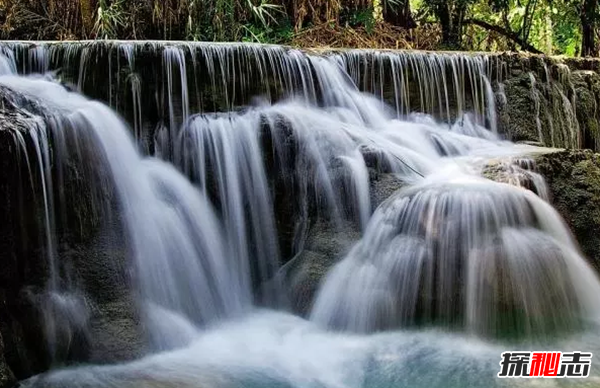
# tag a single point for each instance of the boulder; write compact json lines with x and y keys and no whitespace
{"x":573,"y":178}
{"x":89,"y":314}
{"x":383,"y":185}
{"x":114,"y":328}
{"x":326,"y":244}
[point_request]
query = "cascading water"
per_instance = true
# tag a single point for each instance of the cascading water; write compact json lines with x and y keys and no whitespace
{"x":180,"y":78}
{"x":157,"y":205}
{"x":485,"y":257}
{"x":460,"y":258}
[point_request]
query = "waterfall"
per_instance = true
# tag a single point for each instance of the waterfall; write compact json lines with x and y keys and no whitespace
{"x":166,"y":218}
{"x":485,"y":257}
{"x":216,"y":159}
{"x":176,"y":77}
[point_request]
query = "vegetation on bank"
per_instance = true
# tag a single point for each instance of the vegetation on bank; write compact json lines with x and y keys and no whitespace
{"x":550,"y":26}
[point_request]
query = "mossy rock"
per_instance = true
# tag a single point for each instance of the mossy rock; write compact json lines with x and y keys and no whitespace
{"x":586,"y":85}
{"x":515,"y":116}
{"x":573,"y":177}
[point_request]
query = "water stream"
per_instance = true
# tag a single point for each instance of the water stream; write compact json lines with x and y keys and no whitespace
{"x":450,"y":271}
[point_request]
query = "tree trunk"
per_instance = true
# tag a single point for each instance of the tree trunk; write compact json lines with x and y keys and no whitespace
{"x":443,"y":14}
{"x":452,"y":36}
{"x":588,"y":24}
{"x":399,"y":15}
{"x":452,"y":26}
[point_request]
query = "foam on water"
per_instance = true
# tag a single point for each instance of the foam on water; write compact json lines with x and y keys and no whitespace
{"x":278,"y":350}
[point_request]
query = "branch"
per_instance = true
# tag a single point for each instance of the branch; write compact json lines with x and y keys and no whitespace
{"x":509,"y":34}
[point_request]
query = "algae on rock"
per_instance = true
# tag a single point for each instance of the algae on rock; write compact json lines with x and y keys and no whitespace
{"x":573,"y":178}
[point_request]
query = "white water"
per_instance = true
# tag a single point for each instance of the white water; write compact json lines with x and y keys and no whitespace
{"x":180,"y":258}
{"x":486,"y":257}
{"x":453,"y":251}
{"x":274,"y":350}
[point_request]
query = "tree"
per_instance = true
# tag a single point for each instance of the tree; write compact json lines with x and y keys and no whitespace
{"x":451,"y":15}
{"x":589,"y":16}
{"x":398,"y":13}
{"x":512,"y":19}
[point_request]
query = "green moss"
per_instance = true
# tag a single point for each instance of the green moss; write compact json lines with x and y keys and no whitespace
{"x":550,"y":100}
{"x":574,"y":180}
{"x":515,"y":117}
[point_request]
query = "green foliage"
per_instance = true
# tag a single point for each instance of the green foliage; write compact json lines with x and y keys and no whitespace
{"x":567,"y":33}
{"x":110,"y":18}
{"x":549,"y":26}
{"x":278,"y":34}
{"x":264,"y":11}
{"x":362,"y":18}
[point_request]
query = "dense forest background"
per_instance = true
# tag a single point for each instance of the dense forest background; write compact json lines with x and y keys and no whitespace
{"x":568,"y":27}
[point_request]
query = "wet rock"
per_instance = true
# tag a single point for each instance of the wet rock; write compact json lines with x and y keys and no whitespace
{"x":573,"y":177}
{"x":514,"y":122}
{"x":116,"y":332}
{"x":517,"y":171}
{"x":326,"y":244}
{"x":549,"y":100}
{"x":7,"y":378}
{"x":586,"y":85}
{"x":383,"y":186}
{"x":21,"y":268}
{"x":569,"y":180}
{"x":93,"y":317}
{"x":532,"y":108}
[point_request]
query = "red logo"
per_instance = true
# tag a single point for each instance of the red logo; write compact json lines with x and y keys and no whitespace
{"x":545,"y":364}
